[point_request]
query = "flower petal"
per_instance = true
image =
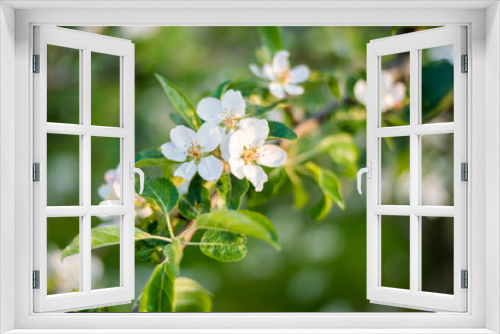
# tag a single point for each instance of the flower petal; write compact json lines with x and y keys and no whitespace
{"x":224,"y":144}
{"x":294,"y":89}
{"x":281,"y":64}
{"x":271,"y":156}
{"x":112,"y":175}
{"x":233,"y":103}
{"x":245,"y":122}
{"x":210,"y":110}
{"x":182,"y":137}
{"x":268,"y":72}
{"x":172,"y":152}
{"x":299,"y":74}
{"x":257,"y":71}
{"x":256,"y":175}
{"x":360,"y":91}
{"x":237,"y":142}
{"x":277,"y":90}
{"x":210,"y":168}
{"x":186,"y":170}
{"x":256,"y":133}
{"x":105,"y":191}
{"x":208,"y":137}
{"x":236,"y":165}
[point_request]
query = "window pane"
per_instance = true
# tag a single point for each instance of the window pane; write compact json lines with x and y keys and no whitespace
{"x":63,"y":85}
{"x":396,"y":252}
{"x":106,"y":260}
{"x":105,"y":89}
{"x":437,"y":84}
{"x":63,"y":275}
{"x":63,"y":170}
{"x":437,"y":169}
{"x":395,"y":169}
{"x":437,"y":254}
{"x":395,"y":89}
{"x":106,"y":176}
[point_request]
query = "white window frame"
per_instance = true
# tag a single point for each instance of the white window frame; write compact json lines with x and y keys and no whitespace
{"x":413,"y":44}
{"x":85,"y":43}
{"x":483,"y":20}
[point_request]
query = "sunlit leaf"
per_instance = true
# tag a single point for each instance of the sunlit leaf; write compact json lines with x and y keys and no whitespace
{"x":300,"y":195}
{"x":221,"y":89}
{"x":224,"y":246}
{"x":196,"y":201}
{"x":341,"y":148}
{"x":190,"y":296}
{"x":180,"y":102}
{"x":158,"y":295}
{"x":330,"y":186}
{"x":249,"y":223}
{"x":230,"y":190}
{"x":280,"y":130}
{"x":151,"y":157}
{"x":162,"y":192}
{"x":271,"y":38}
{"x":101,"y":236}
{"x":321,"y":209}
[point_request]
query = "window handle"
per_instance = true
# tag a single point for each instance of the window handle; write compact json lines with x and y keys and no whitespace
{"x":141,"y":176}
{"x":368,"y":171}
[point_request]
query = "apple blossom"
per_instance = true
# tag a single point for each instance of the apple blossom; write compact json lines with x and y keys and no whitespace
{"x":248,"y":151}
{"x":392,"y":93}
{"x":284,"y":79}
{"x":188,"y":144}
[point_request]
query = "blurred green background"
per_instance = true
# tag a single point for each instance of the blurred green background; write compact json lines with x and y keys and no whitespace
{"x":322,"y":265}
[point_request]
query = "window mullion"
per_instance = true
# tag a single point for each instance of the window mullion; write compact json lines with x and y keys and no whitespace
{"x":85,"y":250}
{"x":414,"y":173}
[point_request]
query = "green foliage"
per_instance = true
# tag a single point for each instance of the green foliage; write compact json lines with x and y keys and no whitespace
{"x":196,"y":201}
{"x":280,"y":130}
{"x":249,"y":223}
{"x":146,"y":251}
{"x":259,"y":111}
{"x":151,"y":157}
{"x":158,"y":295}
{"x":330,"y":186}
{"x":274,"y":186}
{"x":224,"y":246}
{"x":162,"y":192}
{"x":230,"y":190}
{"x":343,"y":151}
{"x":333,"y":84}
{"x":300,"y":195}
{"x":271,"y":38}
{"x":221,"y":89}
{"x":180,"y":102}
{"x":101,"y":236}
{"x":190,"y":296}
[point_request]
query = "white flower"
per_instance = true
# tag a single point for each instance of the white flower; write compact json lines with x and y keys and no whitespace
{"x":392,"y":93}
{"x":284,"y":79}
{"x":187,"y":143}
{"x":110,"y":192}
{"x":226,"y":113}
{"x":247,"y":151}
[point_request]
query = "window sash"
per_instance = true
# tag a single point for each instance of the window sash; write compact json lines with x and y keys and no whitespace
{"x":86,"y":43}
{"x":414,"y":298}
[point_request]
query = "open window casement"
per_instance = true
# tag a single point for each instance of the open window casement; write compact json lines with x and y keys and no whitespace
{"x":410,"y":201}
{"x":83,"y":131}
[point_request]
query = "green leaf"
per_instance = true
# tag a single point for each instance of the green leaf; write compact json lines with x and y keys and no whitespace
{"x":101,"y":236}
{"x":162,"y":192}
{"x":151,"y":157}
{"x":341,"y":148}
{"x":178,"y":119}
{"x":333,"y":85}
{"x":300,"y":195}
{"x":191,"y":296}
{"x":221,"y":89}
{"x":330,"y":186}
{"x":173,"y":255}
{"x":272,"y":188}
{"x":280,"y":130}
{"x":158,"y":295}
{"x":196,"y":201}
{"x":230,"y":190}
{"x":271,"y":38}
{"x":261,"y":110}
{"x":148,"y":252}
{"x":321,"y":209}
{"x":180,"y":102}
{"x":249,"y":223}
{"x":224,"y":246}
